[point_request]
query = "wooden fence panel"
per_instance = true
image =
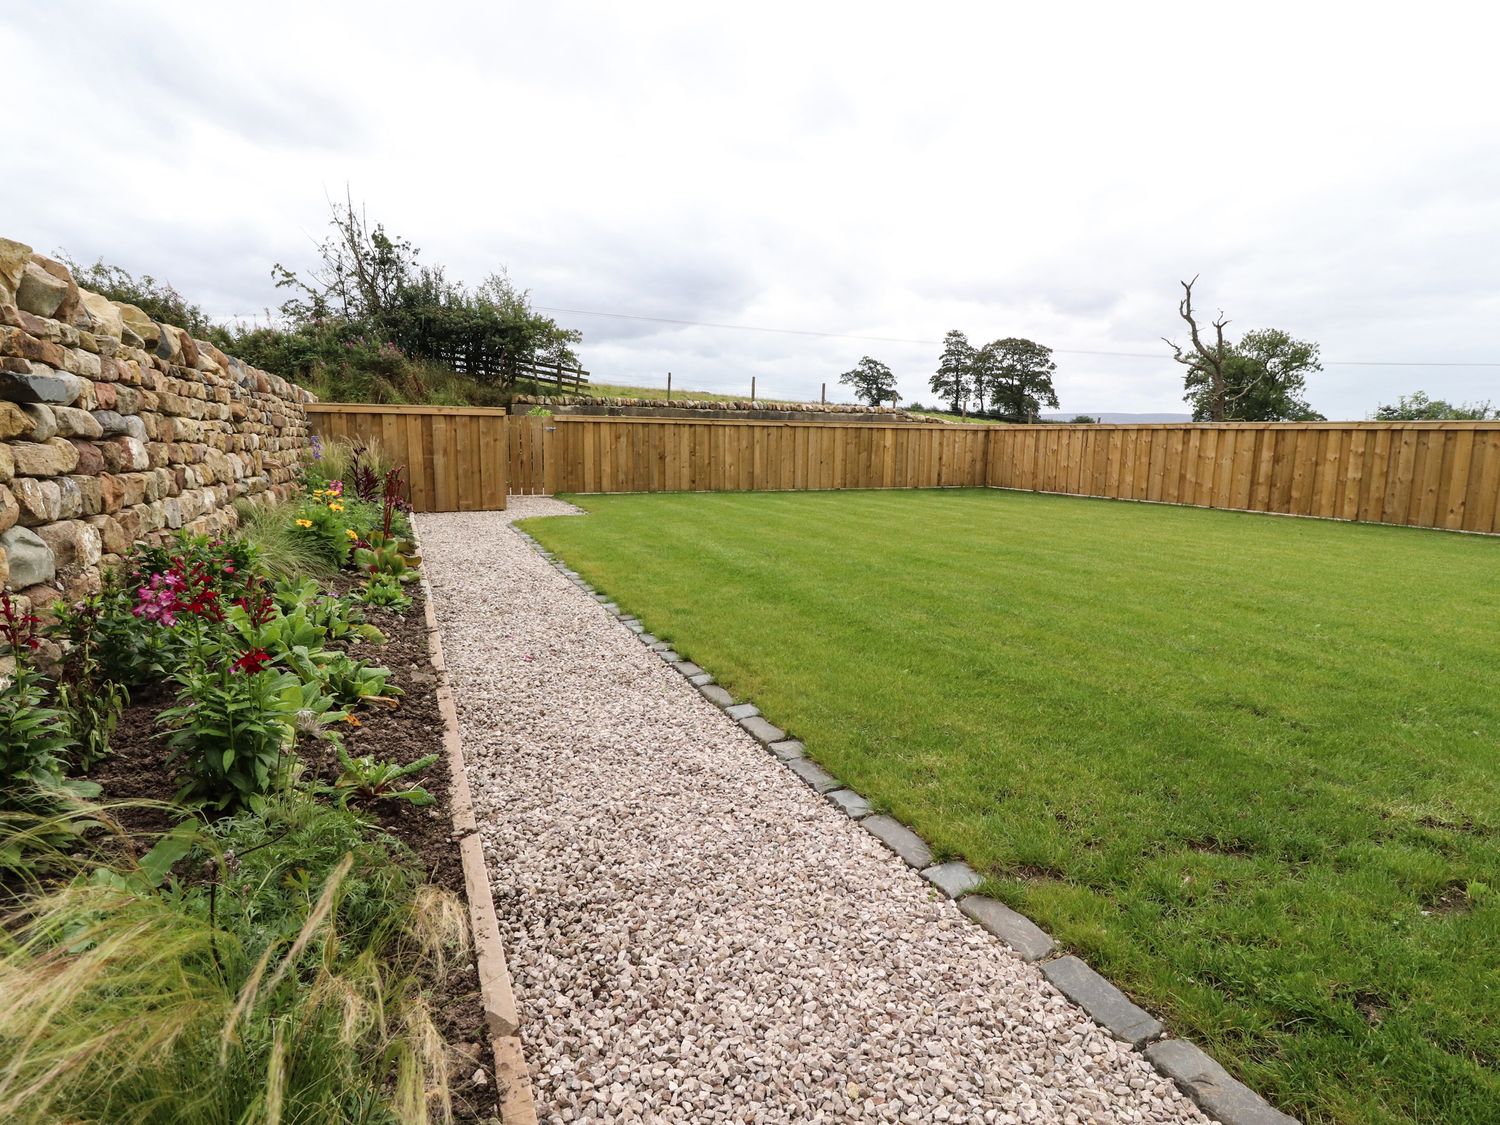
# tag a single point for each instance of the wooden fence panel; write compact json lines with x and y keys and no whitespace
{"x":455,"y":459}
{"x":1426,"y":474}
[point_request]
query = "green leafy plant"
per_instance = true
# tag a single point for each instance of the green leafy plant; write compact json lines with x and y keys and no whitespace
{"x":386,"y":592}
{"x":90,"y":701}
{"x":388,"y":557}
{"x":231,"y":731}
{"x":33,"y":736}
{"x":367,"y":779}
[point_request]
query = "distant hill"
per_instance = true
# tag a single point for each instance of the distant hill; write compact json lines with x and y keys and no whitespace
{"x":1118,"y":417}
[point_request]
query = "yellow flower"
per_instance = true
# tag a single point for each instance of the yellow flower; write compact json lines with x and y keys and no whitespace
{"x":335,"y":507}
{"x":319,"y":492}
{"x":351,"y":720}
{"x":304,"y":523}
{"x":351,"y":533}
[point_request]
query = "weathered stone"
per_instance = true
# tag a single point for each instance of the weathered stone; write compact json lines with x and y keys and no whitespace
{"x":105,"y":314}
{"x":72,"y":422}
{"x":10,"y":511}
{"x":815,"y":775}
{"x":90,"y":494}
{"x":125,"y":455}
{"x":668,"y":655}
{"x":738,"y":711}
{"x":762,"y":731}
{"x":43,"y":421}
{"x":716,"y":695}
{"x":1015,"y":930}
{"x":42,"y":385}
{"x":14,"y":258}
{"x":646,"y":639}
{"x":14,"y":421}
{"x":701,"y":679}
{"x":75,"y":545}
{"x":900,"y":839}
{"x":70,"y":311}
{"x":112,"y":534}
{"x":787,"y":749}
{"x":31,"y":561}
{"x":1109,"y":1007}
{"x":1210,"y":1086}
{"x":138,"y":322}
{"x":954,"y":878}
{"x":38,"y":292}
{"x":40,"y":500}
{"x":688,"y":668}
{"x":90,"y":460}
{"x":850,"y":803}
{"x":49,"y":458}
{"x":7,"y":463}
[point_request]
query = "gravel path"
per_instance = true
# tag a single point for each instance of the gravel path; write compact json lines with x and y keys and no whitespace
{"x":695,"y":935}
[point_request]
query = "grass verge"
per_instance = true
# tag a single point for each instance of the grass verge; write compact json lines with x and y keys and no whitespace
{"x":1246,"y":766}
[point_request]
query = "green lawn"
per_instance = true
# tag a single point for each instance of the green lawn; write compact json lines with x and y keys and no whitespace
{"x":1246,"y":766}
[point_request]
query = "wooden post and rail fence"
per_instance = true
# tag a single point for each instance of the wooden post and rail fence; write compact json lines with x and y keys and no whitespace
{"x":1422,"y":474}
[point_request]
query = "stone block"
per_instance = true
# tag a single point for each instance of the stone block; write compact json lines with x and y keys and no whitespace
{"x":955,"y":878}
{"x":38,"y":292}
{"x":716,"y":695}
{"x":30,"y":558}
{"x":72,"y":422}
{"x":787,"y":749}
{"x":43,"y":422}
{"x":900,"y":839}
{"x":75,"y":545}
{"x":41,"y":385}
{"x":14,"y":258}
{"x":1210,"y":1086}
{"x":14,"y":422}
{"x":738,"y":711}
{"x":1109,"y":1007}
{"x":49,"y":458}
{"x":688,"y":668}
{"x":40,"y":500}
{"x":1015,"y":930}
{"x":850,"y":803}
{"x":762,"y":731}
{"x":814,"y":775}
{"x":10,"y":511}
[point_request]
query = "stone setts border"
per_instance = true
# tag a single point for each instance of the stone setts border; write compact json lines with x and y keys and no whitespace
{"x":497,"y":996}
{"x":1200,"y":1078}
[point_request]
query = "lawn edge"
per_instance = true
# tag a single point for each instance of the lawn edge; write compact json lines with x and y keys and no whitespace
{"x":497,"y":996}
{"x":1202,"y":1080}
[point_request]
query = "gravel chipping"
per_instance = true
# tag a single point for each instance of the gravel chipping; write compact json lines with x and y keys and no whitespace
{"x":695,"y":934}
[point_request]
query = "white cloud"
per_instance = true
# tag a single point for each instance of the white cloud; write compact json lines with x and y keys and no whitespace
{"x":873,"y":169}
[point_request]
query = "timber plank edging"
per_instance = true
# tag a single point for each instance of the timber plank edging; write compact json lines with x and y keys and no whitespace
{"x":502,"y":1015}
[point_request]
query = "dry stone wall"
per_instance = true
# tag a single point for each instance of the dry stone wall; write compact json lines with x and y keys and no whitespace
{"x":115,"y":429}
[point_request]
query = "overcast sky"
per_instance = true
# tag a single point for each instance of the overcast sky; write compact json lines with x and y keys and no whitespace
{"x":1048,"y":171}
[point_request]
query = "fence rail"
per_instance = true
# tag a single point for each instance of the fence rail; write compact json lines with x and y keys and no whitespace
{"x":1424,"y":474}
{"x":454,"y":458}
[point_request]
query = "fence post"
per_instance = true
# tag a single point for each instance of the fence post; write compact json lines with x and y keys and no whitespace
{"x":823,"y":395}
{"x":669,"y":386}
{"x":752,"y":388}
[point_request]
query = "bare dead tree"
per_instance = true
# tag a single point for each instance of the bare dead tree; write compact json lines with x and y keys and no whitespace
{"x":1208,"y":361}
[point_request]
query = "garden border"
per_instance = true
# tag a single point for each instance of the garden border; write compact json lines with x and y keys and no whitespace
{"x":497,"y":996}
{"x":1201,"y":1079}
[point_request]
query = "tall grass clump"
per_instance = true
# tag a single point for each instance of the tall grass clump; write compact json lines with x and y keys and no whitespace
{"x":277,"y":547}
{"x":253,"y":971}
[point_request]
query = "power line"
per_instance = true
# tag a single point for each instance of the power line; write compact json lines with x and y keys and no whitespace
{"x":938,"y":343}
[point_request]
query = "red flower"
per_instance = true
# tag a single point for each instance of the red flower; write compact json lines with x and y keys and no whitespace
{"x":253,"y":661}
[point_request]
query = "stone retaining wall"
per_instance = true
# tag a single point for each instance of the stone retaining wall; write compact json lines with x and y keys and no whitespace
{"x":115,"y":429}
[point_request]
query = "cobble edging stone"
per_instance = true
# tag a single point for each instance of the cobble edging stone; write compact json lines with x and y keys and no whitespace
{"x":1201,"y":1079}
{"x":497,"y":994}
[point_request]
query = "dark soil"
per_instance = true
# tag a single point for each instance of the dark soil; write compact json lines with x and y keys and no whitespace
{"x":137,"y":769}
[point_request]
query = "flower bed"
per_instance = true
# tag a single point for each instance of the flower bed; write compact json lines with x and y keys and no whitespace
{"x":225,"y":844}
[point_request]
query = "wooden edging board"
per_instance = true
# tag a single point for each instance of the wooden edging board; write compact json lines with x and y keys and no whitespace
{"x":502,"y":1017}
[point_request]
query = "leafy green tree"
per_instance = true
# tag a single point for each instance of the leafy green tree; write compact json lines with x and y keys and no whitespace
{"x":1417,"y":407}
{"x":1084,"y":420}
{"x":872,"y":381}
{"x":1018,"y":373}
{"x":1261,"y":378}
{"x":157,"y":299}
{"x":1264,"y":380}
{"x":954,"y":380}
